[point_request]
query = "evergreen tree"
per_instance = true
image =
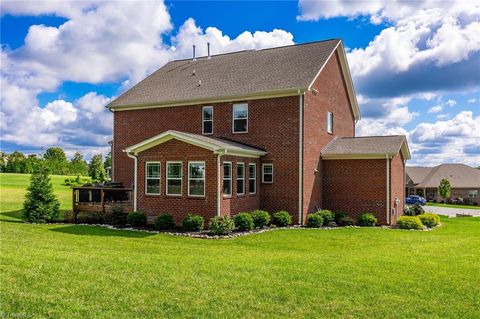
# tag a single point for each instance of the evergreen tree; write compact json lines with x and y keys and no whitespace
{"x":78,"y":166}
{"x":444,"y":189}
{"x":40,"y":205}
{"x":31,"y":163}
{"x":96,"y":170}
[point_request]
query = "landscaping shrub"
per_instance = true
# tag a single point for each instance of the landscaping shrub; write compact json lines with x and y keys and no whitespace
{"x":327,"y":215}
{"x":41,"y":205}
{"x":429,"y":220}
{"x":314,"y":220}
{"x":339,"y":216}
{"x":261,"y":218}
{"x":413,"y":210}
{"x":90,"y":218}
{"x":409,"y":222}
{"x":346,"y":221}
{"x":137,"y":219}
{"x":193,"y":223}
{"x":222,"y":225}
{"x":367,"y":219}
{"x":244,"y":221}
{"x":165,"y":221}
{"x":118,"y":216}
{"x":281,"y":218}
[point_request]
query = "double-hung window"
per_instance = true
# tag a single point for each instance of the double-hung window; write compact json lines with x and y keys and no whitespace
{"x":207,"y":120}
{"x":473,"y":193}
{"x":267,"y":173}
{"x":196,"y":179}
{"x":227,"y":179}
{"x":240,"y":178}
{"x":330,"y":122}
{"x":252,"y":178}
{"x":240,"y":118}
{"x":174,"y":178}
{"x":152,"y":178}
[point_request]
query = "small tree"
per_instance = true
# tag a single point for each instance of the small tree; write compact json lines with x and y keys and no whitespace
{"x":96,"y":170}
{"x":444,"y":189}
{"x":78,"y":166}
{"x":56,"y":160}
{"x":40,"y":205}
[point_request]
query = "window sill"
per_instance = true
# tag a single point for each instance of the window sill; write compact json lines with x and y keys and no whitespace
{"x":239,"y":132}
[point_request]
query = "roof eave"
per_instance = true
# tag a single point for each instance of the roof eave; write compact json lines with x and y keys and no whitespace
{"x":331,"y":156}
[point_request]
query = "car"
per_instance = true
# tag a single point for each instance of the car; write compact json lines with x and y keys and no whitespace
{"x":414,"y":199}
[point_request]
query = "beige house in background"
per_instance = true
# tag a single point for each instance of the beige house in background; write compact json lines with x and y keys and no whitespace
{"x":464,"y":181}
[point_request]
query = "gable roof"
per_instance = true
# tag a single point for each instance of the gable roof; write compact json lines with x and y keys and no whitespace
{"x":459,"y":175}
{"x":366,"y":147}
{"x":217,"y":145}
{"x":281,"y":71}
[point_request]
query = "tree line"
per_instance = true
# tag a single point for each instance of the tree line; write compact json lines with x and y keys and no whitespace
{"x":57,"y":163}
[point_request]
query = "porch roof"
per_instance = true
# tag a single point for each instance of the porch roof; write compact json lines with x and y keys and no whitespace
{"x":216,"y":145}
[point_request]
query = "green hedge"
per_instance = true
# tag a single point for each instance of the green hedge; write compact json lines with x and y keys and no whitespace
{"x":429,"y":220}
{"x":244,"y":221}
{"x":409,"y":222}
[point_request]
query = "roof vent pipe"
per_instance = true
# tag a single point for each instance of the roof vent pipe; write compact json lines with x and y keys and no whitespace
{"x":194,"y":57}
{"x":208,"y":50}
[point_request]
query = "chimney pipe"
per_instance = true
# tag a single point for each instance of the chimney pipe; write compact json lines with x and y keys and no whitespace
{"x":208,"y":49}
{"x":194,"y":57}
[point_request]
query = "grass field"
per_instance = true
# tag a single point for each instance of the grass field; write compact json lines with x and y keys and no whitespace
{"x":453,"y":206}
{"x":65,"y":271}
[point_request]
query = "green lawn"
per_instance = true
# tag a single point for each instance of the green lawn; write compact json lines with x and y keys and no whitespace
{"x":453,"y":206}
{"x":90,"y":272}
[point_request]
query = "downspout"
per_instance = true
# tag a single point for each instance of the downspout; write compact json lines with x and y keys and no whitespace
{"x":135,"y":188}
{"x":218,"y":183}
{"x":388,"y":189}
{"x":300,"y":157}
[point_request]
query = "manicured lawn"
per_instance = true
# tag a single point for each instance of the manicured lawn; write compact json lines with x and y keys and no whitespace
{"x":87,"y":272}
{"x":453,"y":206}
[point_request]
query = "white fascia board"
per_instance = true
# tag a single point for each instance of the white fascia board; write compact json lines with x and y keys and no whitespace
{"x":355,"y":156}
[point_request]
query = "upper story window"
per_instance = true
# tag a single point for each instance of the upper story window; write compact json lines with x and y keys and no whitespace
{"x":267,"y":173}
{"x":196,"y":179}
{"x":207,"y":120}
{"x":240,"y":118}
{"x":227,"y":179}
{"x":330,"y":122}
{"x":174,"y":178}
{"x":152,"y":178}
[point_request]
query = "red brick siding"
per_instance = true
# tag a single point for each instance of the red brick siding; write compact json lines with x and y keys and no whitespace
{"x":397,"y":189}
{"x":332,"y":97}
{"x":273,"y":125}
{"x":355,"y":186}
{"x":178,"y":206}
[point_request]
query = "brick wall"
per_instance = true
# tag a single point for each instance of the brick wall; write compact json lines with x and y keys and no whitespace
{"x":397,"y":189}
{"x":355,"y":186}
{"x":331,"y":97}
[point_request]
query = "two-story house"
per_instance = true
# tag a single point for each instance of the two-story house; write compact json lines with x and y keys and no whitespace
{"x":269,"y":129}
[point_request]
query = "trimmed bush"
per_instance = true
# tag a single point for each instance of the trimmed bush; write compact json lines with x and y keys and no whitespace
{"x":281,"y":219}
{"x":429,"y":220}
{"x":339,"y":216}
{"x":367,"y":219}
{"x":346,"y":221}
{"x":261,"y":218}
{"x":221,"y":225}
{"x":137,"y":219}
{"x":164,"y":221}
{"x":244,"y":221}
{"x":409,"y":222}
{"x":314,"y":220}
{"x":193,"y":223}
{"x":118,"y":216}
{"x":413,"y":210}
{"x":89,"y":218}
{"x":327,"y":215}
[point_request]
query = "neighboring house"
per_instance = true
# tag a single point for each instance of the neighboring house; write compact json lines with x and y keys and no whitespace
{"x":265,"y":129}
{"x":464,"y":181}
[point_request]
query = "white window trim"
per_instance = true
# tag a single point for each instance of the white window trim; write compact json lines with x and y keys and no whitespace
{"x":204,"y":120}
{"x":254,"y":178}
{"x":473,"y":193}
{"x":230,"y":179}
{"x":174,"y":178}
{"x":242,"y":179}
{"x":233,"y":118}
{"x":159,"y":178}
{"x":197,"y":179}
{"x":263,"y":173}
{"x":330,"y":115}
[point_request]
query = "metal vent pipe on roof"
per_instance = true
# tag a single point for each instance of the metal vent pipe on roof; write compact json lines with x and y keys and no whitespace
{"x":208,"y":50}
{"x":194,"y":57}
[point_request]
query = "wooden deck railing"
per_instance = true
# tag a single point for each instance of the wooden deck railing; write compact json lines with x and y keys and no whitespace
{"x":100,"y":199}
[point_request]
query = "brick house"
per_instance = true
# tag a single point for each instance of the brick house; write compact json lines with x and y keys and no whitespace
{"x":272,"y":129}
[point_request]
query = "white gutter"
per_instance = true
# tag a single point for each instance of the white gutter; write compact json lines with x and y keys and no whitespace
{"x":135,"y":188}
{"x":300,"y":158}
{"x":388,"y":189}
{"x":218,"y":184}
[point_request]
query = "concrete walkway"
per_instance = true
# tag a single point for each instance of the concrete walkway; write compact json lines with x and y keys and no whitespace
{"x":451,"y":211}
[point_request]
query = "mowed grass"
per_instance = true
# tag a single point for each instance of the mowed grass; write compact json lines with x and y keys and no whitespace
{"x":471,"y":207}
{"x":66,"y":271}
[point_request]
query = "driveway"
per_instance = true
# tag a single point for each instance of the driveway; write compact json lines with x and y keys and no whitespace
{"x":451,"y":211}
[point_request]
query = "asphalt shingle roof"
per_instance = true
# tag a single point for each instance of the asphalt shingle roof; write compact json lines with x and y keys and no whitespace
{"x":459,"y":175}
{"x":368,"y":145}
{"x":233,"y":74}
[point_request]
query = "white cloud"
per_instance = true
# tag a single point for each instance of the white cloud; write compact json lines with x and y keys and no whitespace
{"x":472,"y":100}
{"x":435,"y":109}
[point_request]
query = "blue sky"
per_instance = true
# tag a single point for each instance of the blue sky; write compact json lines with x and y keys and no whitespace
{"x":416,"y":67}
